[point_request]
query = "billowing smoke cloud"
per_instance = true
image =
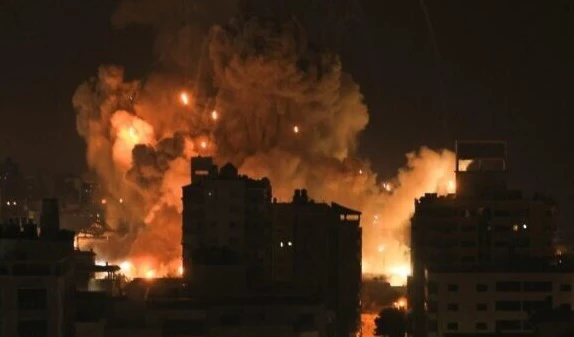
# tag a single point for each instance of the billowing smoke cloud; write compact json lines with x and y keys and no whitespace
{"x":271,"y":105}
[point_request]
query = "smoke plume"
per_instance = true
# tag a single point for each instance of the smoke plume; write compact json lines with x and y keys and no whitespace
{"x":259,"y":97}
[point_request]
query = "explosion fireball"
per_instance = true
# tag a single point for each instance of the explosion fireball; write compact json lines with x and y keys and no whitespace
{"x":290,"y":114}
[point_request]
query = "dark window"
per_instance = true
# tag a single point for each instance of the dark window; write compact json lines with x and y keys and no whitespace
{"x":433,"y":325}
{"x":481,"y":288}
{"x":229,"y":320}
{"x":452,"y":287}
{"x":33,"y":328}
{"x":32,"y":299}
{"x":305,"y":322}
{"x":505,"y":325}
{"x":537,"y":286}
{"x":508,"y":286}
{"x":468,"y":244}
{"x":530,"y":306}
{"x":433,"y":306}
{"x":433,"y":288}
{"x":452,"y":326}
{"x":508,"y":306}
{"x":565,"y":287}
{"x":175,"y":327}
{"x":565,"y":306}
{"x":452,"y":307}
{"x":481,"y":326}
{"x":481,"y":307}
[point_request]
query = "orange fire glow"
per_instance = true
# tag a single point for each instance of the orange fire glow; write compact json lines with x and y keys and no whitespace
{"x":184,"y":98}
{"x":214,"y":115}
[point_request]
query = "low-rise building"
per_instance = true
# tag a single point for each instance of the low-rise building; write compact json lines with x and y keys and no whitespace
{"x":37,"y":277}
{"x":474,"y":302}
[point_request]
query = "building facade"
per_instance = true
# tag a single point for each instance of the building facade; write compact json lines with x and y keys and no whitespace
{"x":483,"y":226}
{"x":37,"y":277}
{"x":226,"y":220}
{"x":494,"y":302}
{"x":317,"y":247}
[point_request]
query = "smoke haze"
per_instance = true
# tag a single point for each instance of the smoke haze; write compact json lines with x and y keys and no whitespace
{"x":248,"y":91}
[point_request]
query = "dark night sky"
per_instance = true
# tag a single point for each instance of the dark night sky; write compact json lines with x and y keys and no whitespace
{"x":507,"y":68}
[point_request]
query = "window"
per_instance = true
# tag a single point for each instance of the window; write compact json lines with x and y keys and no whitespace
{"x":432,"y":306}
{"x":452,"y":326}
{"x":33,"y":328}
{"x":504,"y":325}
{"x":537,"y":286}
{"x":565,"y":287}
{"x":433,"y":288}
{"x":452,"y":287}
{"x":508,"y":306}
{"x":433,"y":325}
{"x":32,"y":299}
{"x":467,"y":244}
{"x":565,"y":306}
{"x":508,"y":286}
{"x":481,"y":288}
{"x":173,"y":327}
{"x":452,"y":307}
{"x":481,"y":326}
{"x":229,"y":320}
{"x":530,"y":306}
{"x":481,"y":307}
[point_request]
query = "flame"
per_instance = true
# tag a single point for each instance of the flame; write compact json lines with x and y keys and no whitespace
{"x":203,"y":144}
{"x":388,"y":187}
{"x":180,"y":270}
{"x":401,"y":303}
{"x":184,"y":98}
{"x":150,"y":274}
{"x":451,"y":186}
{"x":296,"y":129}
{"x":214,"y":115}
{"x":398,"y":274}
{"x":104,"y":201}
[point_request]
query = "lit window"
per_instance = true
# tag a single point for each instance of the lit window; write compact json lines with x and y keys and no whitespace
{"x":524,"y":226}
{"x":281,"y":244}
{"x":515,"y":228}
{"x":289,"y":244}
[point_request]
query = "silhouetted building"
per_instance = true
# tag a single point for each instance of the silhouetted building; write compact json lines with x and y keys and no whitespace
{"x":165,"y":307}
{"x":12,"y":191}
{"x":226,"y":221}
{"x":317,"y":247}
{"x":238,"y":244}
{"x":483,"y":226}
{"x":37,"y":277}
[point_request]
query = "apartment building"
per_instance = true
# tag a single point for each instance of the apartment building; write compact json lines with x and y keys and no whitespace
{"x":483,"y":227}
{"x":493,"y":302}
